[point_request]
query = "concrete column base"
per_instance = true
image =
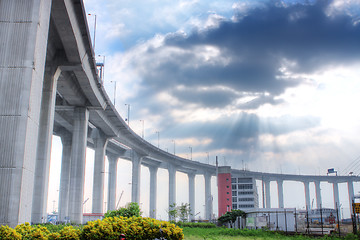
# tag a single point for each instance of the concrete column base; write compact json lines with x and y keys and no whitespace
{"x":77,"y":173}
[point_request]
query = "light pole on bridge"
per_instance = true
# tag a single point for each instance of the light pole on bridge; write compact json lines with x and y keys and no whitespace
{"x":142,"y":133}
{"x":94,"y":29}
{"x":114,"y":92}
{"x":174,"y":145}
{"x":158,"y":133}
{"x":128,"y":113}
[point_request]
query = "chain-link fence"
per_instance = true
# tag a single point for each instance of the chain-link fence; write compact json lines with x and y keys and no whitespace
{"x":321,"y":221}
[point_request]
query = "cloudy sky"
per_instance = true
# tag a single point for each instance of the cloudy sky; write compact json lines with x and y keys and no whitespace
{"x":273,"y":84}
{"x":267,"y":85}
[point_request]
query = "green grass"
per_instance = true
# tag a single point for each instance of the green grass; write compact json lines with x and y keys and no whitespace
{"x":245,"y":234}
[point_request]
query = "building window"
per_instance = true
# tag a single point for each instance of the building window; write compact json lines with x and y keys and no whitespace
{"x":234,"y":193}
{"x":227,"y":186}
{"x":227,"y":179}
{"x":234,"y":199}
{"x":227,"y":193}
{"x":246,"y":206}
{"x":233,"y":186}
{"x":244,"y":180}
{"x":233,"y":180}
{"x":245,"y":186}
{"x":234,"y":206}
{"x":246,"y":193}
{"x":246,"y":199}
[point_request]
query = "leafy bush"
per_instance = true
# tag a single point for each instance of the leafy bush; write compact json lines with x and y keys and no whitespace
{"x":32,"y":232}
{"x":131,"y":210}
{"x":68,"y":233}
{"x":134,"y":228}
{"x":230,"y":217}
{"x":8,"y":233}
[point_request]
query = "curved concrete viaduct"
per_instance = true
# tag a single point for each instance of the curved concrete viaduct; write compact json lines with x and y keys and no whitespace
{"x":49,"y":84}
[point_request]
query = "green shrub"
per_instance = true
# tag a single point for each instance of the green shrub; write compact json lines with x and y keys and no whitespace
{"x":134,"y":228}
{"x":351,"y":236}
{"x":7,"y":233}
{"x":32,"y":232}
{"x":69,"y":233}
{"x":131,"y":210}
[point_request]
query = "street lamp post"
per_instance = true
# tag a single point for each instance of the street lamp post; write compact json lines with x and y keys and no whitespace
{"x":158,"y":133}
{"x":190,"y":153}
{"x":94,"y":29}
{"x":174,"y":145}
{"x":128,"y":115}
{"x":114,"y":93}
{"x":142,"y":133}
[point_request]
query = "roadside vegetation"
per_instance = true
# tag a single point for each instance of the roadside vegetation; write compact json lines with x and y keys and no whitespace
{"x":222,"y":233}
{"x":125,"y":221}
{"x":128,"y":221}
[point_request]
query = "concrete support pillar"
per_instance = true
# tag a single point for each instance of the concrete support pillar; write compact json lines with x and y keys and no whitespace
{"x":42,"y":166}
{"x":136,"y":171}
{"x":267,"y":194}
{"x":77,"y":172}
{"x":100,"y":142}
{"x":280,"y":193}
{"x":24,"y":39}
{"x":191,"y":177}
{"x":307,"y":194}
{"x":208,"y":197}
{"x":153,"y":191}
{"x":351,"y":194}
{"x":113,"y":160}
{"x":318,"y":194}
{"x":336,"y":194}
{"x":172,"y":187}
{"x":63,"y":208}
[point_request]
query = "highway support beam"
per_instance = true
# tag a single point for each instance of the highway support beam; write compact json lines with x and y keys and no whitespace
{"x":100,"y":143}
{"x":24,"y":39}
{"x":113,"y":160}
{"x":153,"y":190}
{"x":280,"y":192}
{"x":191,"y":177}
{"x":77,"y":170}
{"x":135,"y":180}
{"x":267,"y":194}
{"x":208,"y":197}
{"x":63,"y":207}
{"x":318,"y":194}
{"x":42,"y":167}
{"x":307,"y":194}
{"x":172,"y":188}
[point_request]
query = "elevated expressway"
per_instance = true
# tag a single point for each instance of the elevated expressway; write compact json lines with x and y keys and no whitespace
{"x":127,"y":144}
{"x":60,"y":93}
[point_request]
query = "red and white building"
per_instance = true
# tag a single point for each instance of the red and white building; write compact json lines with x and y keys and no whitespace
{"x":235,"y":191}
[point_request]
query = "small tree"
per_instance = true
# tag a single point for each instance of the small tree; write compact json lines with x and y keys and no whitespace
{"x":230,"y":217}
{"x":130,"y":210}
{"x":173,"y":212}
{"x":184,"y":212}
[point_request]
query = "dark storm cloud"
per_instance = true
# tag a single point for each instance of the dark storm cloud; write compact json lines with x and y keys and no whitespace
{"x":213,"y":98}
{"x":254,"y":53}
